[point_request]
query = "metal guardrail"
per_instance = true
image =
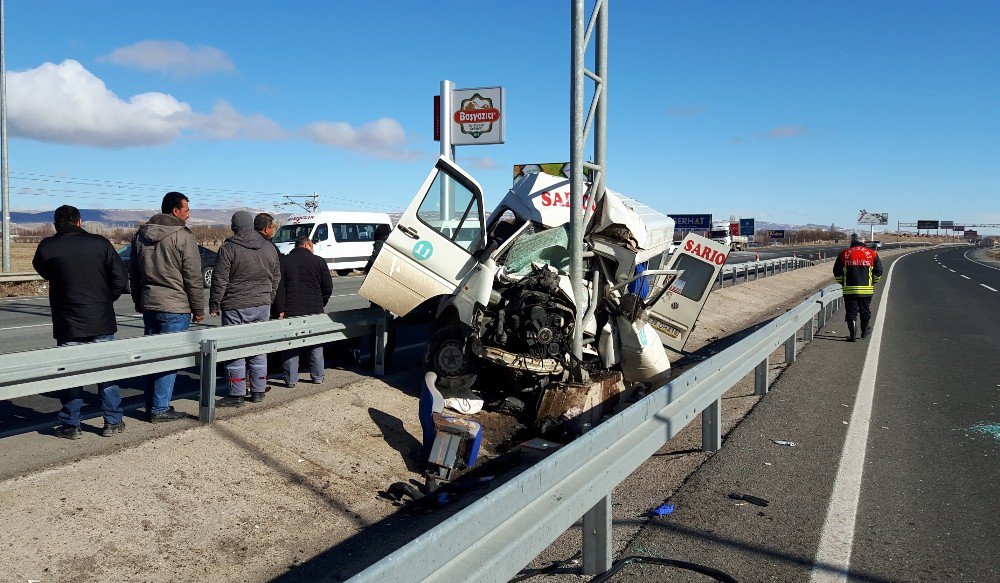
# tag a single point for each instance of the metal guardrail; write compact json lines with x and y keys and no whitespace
{"x":19,"y":277}
{"x":494,"y":538}
{"x":40,"y":371}
{"x":777,"y":265}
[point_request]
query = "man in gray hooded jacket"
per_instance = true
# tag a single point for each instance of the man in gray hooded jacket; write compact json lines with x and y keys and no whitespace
{"x":244,"y":285}
{"x":167,"y":288}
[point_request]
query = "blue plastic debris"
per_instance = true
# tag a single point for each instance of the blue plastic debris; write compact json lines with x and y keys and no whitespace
{"x":992,"y":429}
{"x":663,"y":510}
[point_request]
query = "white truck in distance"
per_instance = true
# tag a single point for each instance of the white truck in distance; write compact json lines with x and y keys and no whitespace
{"x":722,"y":232}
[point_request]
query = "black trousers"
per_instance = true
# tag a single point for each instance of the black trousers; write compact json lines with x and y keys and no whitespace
{"x":854,"y":305}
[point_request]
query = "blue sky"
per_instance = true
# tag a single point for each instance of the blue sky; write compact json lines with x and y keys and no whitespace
{"x":786,"y":111}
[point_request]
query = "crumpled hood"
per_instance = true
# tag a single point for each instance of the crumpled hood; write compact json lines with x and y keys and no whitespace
{"x":159,"y":228}
{"x":247,"y":238}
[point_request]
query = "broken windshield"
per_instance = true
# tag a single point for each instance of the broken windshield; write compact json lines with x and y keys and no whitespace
{"x":548,"y":247}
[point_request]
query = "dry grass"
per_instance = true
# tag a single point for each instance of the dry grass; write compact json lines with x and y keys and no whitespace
{"x":994,"y":254}
{"x":20,"y":256}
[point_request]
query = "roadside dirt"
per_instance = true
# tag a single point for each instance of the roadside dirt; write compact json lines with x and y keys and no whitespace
{"x":259,"y":492}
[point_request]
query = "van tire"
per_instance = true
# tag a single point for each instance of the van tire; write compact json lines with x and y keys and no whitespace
{"x":449,"y":356}
{"x":206,"y":276}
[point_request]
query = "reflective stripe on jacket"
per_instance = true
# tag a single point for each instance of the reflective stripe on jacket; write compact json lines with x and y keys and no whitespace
{"x":858,"y":269}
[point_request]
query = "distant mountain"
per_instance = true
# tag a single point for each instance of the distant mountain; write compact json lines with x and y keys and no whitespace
{"x":126,"y":217}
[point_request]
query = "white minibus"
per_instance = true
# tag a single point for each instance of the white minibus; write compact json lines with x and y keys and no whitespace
{"x":343,"y":238}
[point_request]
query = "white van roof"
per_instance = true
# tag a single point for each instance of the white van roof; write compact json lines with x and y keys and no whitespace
{"x":340,"y":217}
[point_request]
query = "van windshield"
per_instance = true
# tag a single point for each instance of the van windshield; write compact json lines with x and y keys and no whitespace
{"x":289,"y":233}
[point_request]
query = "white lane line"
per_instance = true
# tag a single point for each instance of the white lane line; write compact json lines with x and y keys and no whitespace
{"x":965,"y":276}
{"x":951,"y":270}
{"x":27,"y":326}
{"x":987,"y":287}
{"x":833,"y":557}
{"x":966,"y":255}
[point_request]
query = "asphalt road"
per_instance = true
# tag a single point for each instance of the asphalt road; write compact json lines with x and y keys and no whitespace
{"x":926,"y":507}
{"x":812,"y":252}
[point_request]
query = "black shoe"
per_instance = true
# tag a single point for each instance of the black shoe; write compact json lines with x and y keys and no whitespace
{"x":68,"y":432}
{"x":850,"y":339}
{"x":113,"y":428}
{"x":289,"y":385}
{"x":230,"y":401}
{"x":170,"y":414}
{"x":866,"y":331}
{"x":257,"y":397}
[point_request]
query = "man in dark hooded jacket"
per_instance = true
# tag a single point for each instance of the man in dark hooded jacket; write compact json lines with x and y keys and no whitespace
{"x":167,"y":288}
{"x":244,"y":285}
{"x":85,"y":278}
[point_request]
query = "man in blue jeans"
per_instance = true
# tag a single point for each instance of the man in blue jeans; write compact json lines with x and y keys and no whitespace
{"x":85,"y":277}
{"x":167,"y":288}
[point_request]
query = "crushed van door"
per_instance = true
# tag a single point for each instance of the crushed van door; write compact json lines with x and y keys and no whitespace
{"x":431,"y":249}
{"x":673,"y":315}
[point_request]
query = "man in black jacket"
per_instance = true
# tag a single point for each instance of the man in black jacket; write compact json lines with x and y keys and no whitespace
{"x":305,"y":288}
{"x":85,"y":277}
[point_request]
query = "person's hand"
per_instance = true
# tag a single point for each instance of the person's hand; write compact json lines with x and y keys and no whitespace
{"x":197,"y":317}
{"x":213,"y":314}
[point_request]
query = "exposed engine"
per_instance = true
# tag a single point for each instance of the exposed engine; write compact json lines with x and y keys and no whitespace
{"x":533,"y":318}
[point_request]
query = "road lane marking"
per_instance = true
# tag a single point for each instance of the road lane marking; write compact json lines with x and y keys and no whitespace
{"x":951,"y":270}
{"x":965,"y":276}
{"x":987,"y":287}
{"x":833,"y":556}
{"x":27,"y":326}
{"x":966,"y":255}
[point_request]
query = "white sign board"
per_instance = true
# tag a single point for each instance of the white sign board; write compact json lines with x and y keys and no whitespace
{"x":478,"y":116}
{"x":867,"y":218}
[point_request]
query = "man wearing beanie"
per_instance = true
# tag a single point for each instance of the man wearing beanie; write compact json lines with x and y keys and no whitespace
{"x":244,"y":284}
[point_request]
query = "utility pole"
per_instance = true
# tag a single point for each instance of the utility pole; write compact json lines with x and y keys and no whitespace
{"x":579,"y":130}
{"x":4,"y":175}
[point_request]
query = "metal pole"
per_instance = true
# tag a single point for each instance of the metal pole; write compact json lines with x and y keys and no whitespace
{"x":760,"y":374}
{"x":206,"y":401}
{"x":381,"y":339}
{"x":601,"y":120}
{"x":790,"y":349}
{"x":4,"y":176}
{"x":711,"y":426}
{"x":576,"y":173}
{"x":447,"y":149}
{"x":597,"y":538}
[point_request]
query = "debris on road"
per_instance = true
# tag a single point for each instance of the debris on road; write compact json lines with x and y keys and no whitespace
{"x":783,"y":442}
{"x":663,"y":510}
{"x":750,"y":499}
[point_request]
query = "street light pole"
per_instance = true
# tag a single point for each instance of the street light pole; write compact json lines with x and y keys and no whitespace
{"x":4,"y":176}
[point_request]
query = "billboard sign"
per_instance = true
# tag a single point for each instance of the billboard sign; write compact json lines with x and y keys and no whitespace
{"x":867,"y":218}
{"x":776,"y":233}
{"x":478,"y":116}
{"x":958,"y":228}
{"x":947,"y":224}
{"x":747,"y":227}
{"x":692,"y":222}
{"x":971,"y":233}
{"x":928,"y":225}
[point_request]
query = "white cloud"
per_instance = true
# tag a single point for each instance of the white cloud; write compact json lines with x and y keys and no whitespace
{"x":172,"y":57}
{"x":67,"y":104}
{"x":225,"y":123}
{"x":382,"y":138}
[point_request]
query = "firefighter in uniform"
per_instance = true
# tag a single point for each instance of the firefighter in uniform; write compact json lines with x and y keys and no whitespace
{"x":858,"y":269}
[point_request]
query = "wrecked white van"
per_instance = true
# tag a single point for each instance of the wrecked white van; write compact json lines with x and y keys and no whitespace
{"x":505,"y":310}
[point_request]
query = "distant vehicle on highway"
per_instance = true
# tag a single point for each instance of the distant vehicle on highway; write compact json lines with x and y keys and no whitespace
{"x":208,"y":260}
{"x":875,"y":245}
{"x":345,"y":239}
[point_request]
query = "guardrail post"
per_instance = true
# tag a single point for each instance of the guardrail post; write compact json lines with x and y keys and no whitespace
{"x":206,"y":402}
{"x":721,"y":279}
{"x":760,"y":374}
{"x":381,"y":339}
{"x":790,"y":349}
{"x":597,"y":538}
{"x":822,"y":314}
{"x":711,"y":426}
{"x":807,"y":331}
